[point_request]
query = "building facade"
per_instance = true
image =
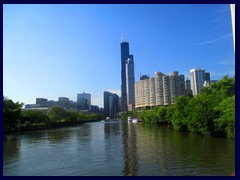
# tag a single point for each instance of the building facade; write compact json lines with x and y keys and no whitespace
{"x":197,"y":77}
{"x":42,"y":102}
{"x":111,"y":103}
{"x":63,"y":102}
{"x":159,"y":88}
{"x":158,"y":91}
{"x":84,"y":101}
{"x":127,"y":78}
{"x":188,"y":90}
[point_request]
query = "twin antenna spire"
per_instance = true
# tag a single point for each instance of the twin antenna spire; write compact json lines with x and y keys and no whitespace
{"x":122,"y":38}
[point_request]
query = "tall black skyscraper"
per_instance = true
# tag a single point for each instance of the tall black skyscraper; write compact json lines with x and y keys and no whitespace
{"x":125,"y":56}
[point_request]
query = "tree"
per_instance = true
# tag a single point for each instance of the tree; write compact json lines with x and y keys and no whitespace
{"x":169,"y":114}
{"x":11,"y":113}
{"x":179,"y":118}
{"x":160,"y":113}
{"x":225,"y":87}
{"x":34,"y":116}
{"x":200,"y":113}
{"x":225,"y":123}
{"x":57,"y":114}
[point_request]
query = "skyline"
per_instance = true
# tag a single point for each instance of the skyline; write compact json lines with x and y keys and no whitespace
{"x":53,"y":51}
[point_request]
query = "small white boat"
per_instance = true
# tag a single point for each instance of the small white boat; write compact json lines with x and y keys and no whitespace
{"x":107,"y":118}
{"x":129,"y":119}
{"x":133,"y":120}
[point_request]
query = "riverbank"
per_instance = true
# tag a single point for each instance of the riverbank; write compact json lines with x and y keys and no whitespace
{"x":51,"y":125}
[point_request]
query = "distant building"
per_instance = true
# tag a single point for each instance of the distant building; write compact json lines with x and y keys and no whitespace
{"x":42,"y":102}
{"x":207,"y":76}
{"x":188,"y":90}
{"x":208,"y":83}
{"x":32,"y":106}
{"x":187,"y":84}
{"x":52,"y":103}
{"x":44,"y":109}
{"x":63,"y":102}
{"x":111,"y":102}
{"x":198,"y":76}
{"x":142,"y":77}
{"x":101,"y":110}
{"x":94,"y":109}
{"x":173,"y":80}
{"x":84,"y":101}
{"x":181,"y":85}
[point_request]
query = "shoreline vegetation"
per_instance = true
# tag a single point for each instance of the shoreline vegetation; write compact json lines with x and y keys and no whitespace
{"x":211,"y":112}
{"x":16,"y":120}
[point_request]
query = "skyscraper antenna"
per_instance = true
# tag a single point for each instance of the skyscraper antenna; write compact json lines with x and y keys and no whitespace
{"x":126,"y":38}
{"x":121,"y":37}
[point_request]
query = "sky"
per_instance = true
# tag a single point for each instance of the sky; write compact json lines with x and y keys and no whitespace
{"x":52,"y":50}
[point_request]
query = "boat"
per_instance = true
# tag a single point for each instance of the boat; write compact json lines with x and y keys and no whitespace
{"x":129,"y":119}
{"x":133,"y":120}
{"x":107,"y":118}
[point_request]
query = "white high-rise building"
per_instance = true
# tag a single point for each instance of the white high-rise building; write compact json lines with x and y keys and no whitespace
{"x":146,"y":94}
{"x":159,"y":88}
{"x":152,"y":96}
{"x":197,"y":77}
{"x":166,"y":91}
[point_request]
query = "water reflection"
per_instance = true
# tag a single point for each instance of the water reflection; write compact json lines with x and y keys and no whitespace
{"x":130,"y":149}
{"x":155,"y":153}
{"x":206,"y":154}
{"x":11,"y":147}
{"x":111,"y":128}
{"x":58,"y":135}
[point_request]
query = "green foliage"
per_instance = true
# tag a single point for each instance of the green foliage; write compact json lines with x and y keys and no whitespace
{"x":160,"y":114}
{"x":223,"y":88}
{"x":34,"y":116}
{"x":170,"y":112}
{"x":200,"y":114}
{"x":57,"y":113}
{"x":225,"y":123}
{"x":179,"y":115}
{"x":11,"y":113}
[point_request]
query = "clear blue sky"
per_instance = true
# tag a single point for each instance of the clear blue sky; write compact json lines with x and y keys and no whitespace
{"x":53,"y":51}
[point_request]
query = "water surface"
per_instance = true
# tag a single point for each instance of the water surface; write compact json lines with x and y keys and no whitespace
{"x":116,"y":148}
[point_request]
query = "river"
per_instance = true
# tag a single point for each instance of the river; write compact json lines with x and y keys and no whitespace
{"x":116,"y":148}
